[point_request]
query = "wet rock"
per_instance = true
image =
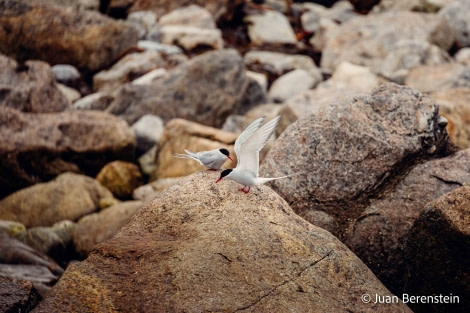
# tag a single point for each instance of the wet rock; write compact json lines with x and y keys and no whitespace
{"x":148,"y":130}
{"x":437,"y":251}
{"x":453,"y":105}
{"x":208,"y":238}
{"x":290,"y":85}
{"x":85,"y":39}
{"x":206,"y":90}
{"x":17,"y":295}
{"x":380,"y":234}
{"x":269,"y":27}
{"x":349,"y":149}
{"x":98,"y":227}
{"x":12,"y":228}
{"x":181,"y":134}
{"x":457,"y":14}
{"x":368,"y":40}
{"x":16,"y":252}
{"x":427,"y":78}
{"x":38,"y":147}
{"x":121,"y":178}
{"x":68,"y":197}
{"x":30,"y":87}
{"x":54,"y":241}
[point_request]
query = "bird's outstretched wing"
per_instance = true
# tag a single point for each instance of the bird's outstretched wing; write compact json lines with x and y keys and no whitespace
{"x":254,"y":126}
{"x":249,"y":148}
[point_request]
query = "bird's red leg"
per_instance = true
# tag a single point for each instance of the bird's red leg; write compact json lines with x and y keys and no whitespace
{"x":212,"y":169}
{"x":247,"y":190}
{"x":242,"y":189}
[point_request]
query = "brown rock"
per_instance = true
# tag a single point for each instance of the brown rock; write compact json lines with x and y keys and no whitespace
{"x":427,"y":78}
{"x":453,"y":105}
{"x":350,"y":149}
{"x":202,"y":247}
{"x":17,"y":295}
{"x":206,"y":89}
{"x":438,"y":252}
{"x":30,"y":87}
{"x":379,"y":235}
{"x":68,"y":197}
{"x":38,"y":147}
{"x":98,"y":227}
{"x":121,"y":178}
{"x":180,"y":134}
{"x":86,"y":39}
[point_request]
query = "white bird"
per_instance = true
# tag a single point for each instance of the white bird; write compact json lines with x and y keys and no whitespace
{"x":247,"y":148}
{"x":213,"y":159}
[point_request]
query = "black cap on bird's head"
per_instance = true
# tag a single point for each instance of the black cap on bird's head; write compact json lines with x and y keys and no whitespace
{"x":223,"y":174}
{"x":225,"y":152}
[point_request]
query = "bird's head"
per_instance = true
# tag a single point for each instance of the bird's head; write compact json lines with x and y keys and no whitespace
{"x":226,"y":153}
{"x":224,"y":174}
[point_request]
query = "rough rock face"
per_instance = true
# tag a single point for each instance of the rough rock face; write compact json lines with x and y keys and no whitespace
{"x":38,"y":147}
{"x":17,"y":295}
{"x":380,"y":234}
{"x":30,"y":87}
{"x":350,"y":149}
{"x":438,"y":251}
{"x":54,"y":34}
{"x":68,"y":197}
{"x":206,"y":90}
{"x":202,"y":247}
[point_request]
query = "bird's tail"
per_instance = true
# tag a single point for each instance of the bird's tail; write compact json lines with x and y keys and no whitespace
{"x":189,"y":155}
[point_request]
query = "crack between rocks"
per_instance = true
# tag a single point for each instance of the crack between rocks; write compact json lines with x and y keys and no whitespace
{"x":267,"y":294}
{"x":447,"y":181}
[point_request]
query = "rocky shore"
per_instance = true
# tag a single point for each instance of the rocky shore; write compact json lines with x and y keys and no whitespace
{"x":96,"y":215}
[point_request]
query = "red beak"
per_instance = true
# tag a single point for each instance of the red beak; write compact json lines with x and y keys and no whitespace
{"x":219,"y":179}
{"x":228,"y":156}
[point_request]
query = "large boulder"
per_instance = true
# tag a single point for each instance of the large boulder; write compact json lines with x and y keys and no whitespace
{"x":38,"y":147}
{"x":350,"y":149}
{"x":17,"y":295}
{"x":206,"y":247}
{"x":86,"y":39}
{"x":68,"y":197}
{"x":206,"y":89}
{"x":30,"y":87}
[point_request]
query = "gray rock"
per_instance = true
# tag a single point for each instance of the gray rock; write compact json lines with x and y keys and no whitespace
{"x":159,"y":47}
{"x":148,"y":130}
{"x":30,"y":87}
{"x":65,"y":73}
{"x":463,"y":56}
{"x":457,"y":14}
{"x":143,"y":21}
{"x":38,"y":147}
{"x":206,"y":89}
{"x":98,"y":101}
{"x":207,"y":238}
{"x":192,"y":15}
{"x":12,"y":228}
{"x":290,"y":85}
{"x":190,"y":37}
{"x":68,"y":197}
{"x":347,"y":150}
{"x":269,"y":27}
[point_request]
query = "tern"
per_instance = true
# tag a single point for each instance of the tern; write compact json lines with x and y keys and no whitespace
{"x":247,"y":148}
{"x":213,"y":159}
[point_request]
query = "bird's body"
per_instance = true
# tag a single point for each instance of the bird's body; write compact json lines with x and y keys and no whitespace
{"x":247,"y":148}
{"x":213,"y":159}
